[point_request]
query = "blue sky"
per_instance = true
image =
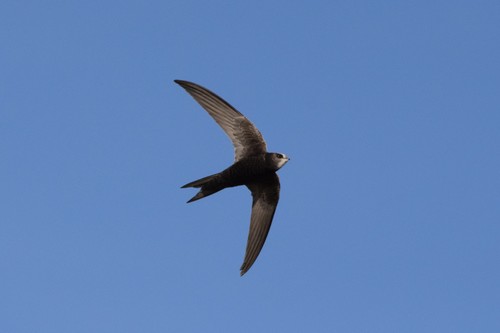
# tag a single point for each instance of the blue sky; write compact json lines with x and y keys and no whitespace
{"x":389,"y":219}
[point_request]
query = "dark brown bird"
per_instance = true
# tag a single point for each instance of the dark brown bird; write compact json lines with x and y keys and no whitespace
{"x":253,"y":167}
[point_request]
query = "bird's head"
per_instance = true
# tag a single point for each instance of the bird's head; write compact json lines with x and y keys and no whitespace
{"x":277,"y":160}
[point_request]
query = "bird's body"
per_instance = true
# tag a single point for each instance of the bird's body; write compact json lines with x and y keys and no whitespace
{"x":243,"y":172}
{"x":254,"y":167}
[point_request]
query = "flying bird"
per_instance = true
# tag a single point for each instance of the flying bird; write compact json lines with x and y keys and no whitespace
{"x":253,"y":167}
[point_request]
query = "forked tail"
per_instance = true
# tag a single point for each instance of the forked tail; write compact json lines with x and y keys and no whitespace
{"x":207,"y":184}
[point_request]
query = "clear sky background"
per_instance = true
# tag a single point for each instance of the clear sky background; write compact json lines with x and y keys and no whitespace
{"x":389,"y":219}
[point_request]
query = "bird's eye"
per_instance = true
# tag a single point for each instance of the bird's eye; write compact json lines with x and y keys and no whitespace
{"x":279,"y":155}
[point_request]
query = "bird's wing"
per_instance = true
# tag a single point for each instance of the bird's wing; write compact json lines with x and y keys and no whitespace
{"x":246,"y":138}
{"x":265,"y":195}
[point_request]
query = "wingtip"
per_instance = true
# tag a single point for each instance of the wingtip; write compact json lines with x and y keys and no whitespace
{"x":182,"y":83}
{"x":243,"y":269}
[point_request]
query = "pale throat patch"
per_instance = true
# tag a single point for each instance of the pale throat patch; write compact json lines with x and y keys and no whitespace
{"x":282,"y":161}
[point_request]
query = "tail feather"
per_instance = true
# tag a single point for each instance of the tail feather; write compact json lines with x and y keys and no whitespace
{"x":205,"y":190}
{"x":200,"y":182}
{"x":198,"y":196}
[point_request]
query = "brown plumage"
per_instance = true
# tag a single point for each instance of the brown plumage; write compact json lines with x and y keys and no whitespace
{"x":253,"y":166}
